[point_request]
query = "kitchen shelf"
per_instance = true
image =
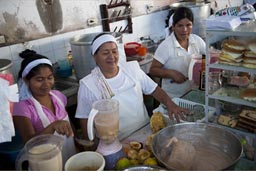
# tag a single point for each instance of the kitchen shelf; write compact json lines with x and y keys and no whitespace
{"x":233,"y":100}
{"x":110,"y":5}
{"x":120,"y":11}
{"x":232,"y":68}
{"x":244,"y":31}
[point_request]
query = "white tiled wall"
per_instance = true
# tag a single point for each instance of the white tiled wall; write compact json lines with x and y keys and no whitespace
{"x":57,"y":47}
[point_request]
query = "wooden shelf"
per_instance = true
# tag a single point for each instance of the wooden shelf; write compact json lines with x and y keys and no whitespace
{"x":118,"y":4}
{"x":122,"y":14}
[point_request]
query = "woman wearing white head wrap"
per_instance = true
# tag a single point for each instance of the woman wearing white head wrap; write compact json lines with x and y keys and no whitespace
{"x":173,"y":56}
{"x":169,"y":27}
{"x":41,"y":110}
{"x":125,"y":82}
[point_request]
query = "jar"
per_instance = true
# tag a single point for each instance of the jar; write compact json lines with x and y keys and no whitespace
{"x":214,"y":81}
{"x":202,"y":74}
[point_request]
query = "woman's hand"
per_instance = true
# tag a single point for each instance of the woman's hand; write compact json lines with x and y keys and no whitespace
{"x":173,"y":109}
{"x":176,"y":111}
{"x":178,"y":77}
{"x":63,"y":127}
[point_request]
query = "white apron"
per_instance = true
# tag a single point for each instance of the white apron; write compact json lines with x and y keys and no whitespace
{"x":182,"y":63}
{"x":68,"y":148}
{"x":132,"y":111}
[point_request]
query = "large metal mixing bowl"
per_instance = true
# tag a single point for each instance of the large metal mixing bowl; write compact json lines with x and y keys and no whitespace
{"x":201,"y":135}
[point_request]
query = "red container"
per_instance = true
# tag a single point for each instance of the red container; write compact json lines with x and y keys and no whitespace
{"x":131,"y":48}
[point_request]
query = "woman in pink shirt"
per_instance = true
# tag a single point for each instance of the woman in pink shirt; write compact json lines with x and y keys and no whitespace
{"x":40,"y":109}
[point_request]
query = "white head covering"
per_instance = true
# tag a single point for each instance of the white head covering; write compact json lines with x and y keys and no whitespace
{"x":100,"y":40}
{"x":24,"y":92}
{"x":167,"y":29}
{"x":33,"y":64}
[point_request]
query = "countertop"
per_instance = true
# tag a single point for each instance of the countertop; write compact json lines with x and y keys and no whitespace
{"x":145,"y":131}
{"x":142,"y":134}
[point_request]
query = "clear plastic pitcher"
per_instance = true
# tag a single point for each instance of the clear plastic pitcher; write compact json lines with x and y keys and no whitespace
{"x":42,"y":152}
{"x":105,"y":116}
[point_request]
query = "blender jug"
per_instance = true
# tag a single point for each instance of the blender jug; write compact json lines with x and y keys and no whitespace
{"x":105,"y":117}
{"x":42,"y":152}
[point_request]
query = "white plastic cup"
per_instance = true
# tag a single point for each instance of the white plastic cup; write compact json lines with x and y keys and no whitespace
{"x":88,"y":160}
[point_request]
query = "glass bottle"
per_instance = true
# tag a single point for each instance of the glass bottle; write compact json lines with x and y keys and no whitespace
{"x":70,"y":60}
{"x":202,"y":74}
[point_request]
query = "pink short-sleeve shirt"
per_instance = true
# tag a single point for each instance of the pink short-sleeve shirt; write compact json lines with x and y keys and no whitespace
{"x":27,"y":109}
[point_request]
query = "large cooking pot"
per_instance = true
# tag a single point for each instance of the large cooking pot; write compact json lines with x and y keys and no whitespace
{"x":5,"y":66}
{"x":214,"y":146}
{"x":201,"y":11}
{"x":81,"y":51}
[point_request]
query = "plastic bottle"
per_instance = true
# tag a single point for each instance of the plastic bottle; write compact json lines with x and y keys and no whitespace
{"x":70,"y":60}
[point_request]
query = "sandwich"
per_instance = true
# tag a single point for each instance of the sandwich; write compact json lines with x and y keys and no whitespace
{"x":232,"y":52}
{"x":252,"y":46}
{"x":233,"y":45}
{"x":249,"y":60}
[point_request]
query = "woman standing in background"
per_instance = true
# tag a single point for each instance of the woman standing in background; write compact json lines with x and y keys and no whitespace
{"x":173,"y":56}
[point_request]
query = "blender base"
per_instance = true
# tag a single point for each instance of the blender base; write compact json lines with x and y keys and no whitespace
{"x":112,"y":159}
{"x":111,"y":153}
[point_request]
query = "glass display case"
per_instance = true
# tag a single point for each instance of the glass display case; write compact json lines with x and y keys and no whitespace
{"x":230,"y":104}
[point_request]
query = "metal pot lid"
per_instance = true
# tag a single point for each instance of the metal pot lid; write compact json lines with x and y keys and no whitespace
{"x":5,"y":64}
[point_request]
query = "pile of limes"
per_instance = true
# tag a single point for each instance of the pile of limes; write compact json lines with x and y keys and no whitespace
{"x":136,"y":155}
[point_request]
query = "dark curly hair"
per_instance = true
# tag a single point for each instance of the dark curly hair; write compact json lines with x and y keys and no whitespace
{"x":29,"y":56}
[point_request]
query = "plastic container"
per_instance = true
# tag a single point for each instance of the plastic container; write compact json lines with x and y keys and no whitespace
{"x":142,"y":51}
{"x":131,"y":48}
{"x":64,"y":69}
{"x":184,"y":104}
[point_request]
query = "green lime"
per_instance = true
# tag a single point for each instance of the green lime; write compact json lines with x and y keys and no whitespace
{"x":150,"y":161}
{"x":123,"y":163}
{"x":243,"y":141}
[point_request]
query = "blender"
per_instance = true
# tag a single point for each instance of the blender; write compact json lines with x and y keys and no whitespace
{"x":105,"y":117}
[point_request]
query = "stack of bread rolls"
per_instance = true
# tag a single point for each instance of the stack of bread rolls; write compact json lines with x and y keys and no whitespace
{"x":232,"y":52}
{"x":238,"y":53}
{"x":249,"y":59}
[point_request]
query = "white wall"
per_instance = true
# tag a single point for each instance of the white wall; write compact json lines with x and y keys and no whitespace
{"x":56,"y":47}
{"x":25,"y":20}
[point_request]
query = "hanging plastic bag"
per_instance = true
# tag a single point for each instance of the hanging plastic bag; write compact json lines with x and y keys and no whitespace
{"x":7,"y":94}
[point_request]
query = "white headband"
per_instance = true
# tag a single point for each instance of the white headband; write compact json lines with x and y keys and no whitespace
{"x":100,"y":40}
{"x":170,"y":21}
{"x":33,"y":64}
